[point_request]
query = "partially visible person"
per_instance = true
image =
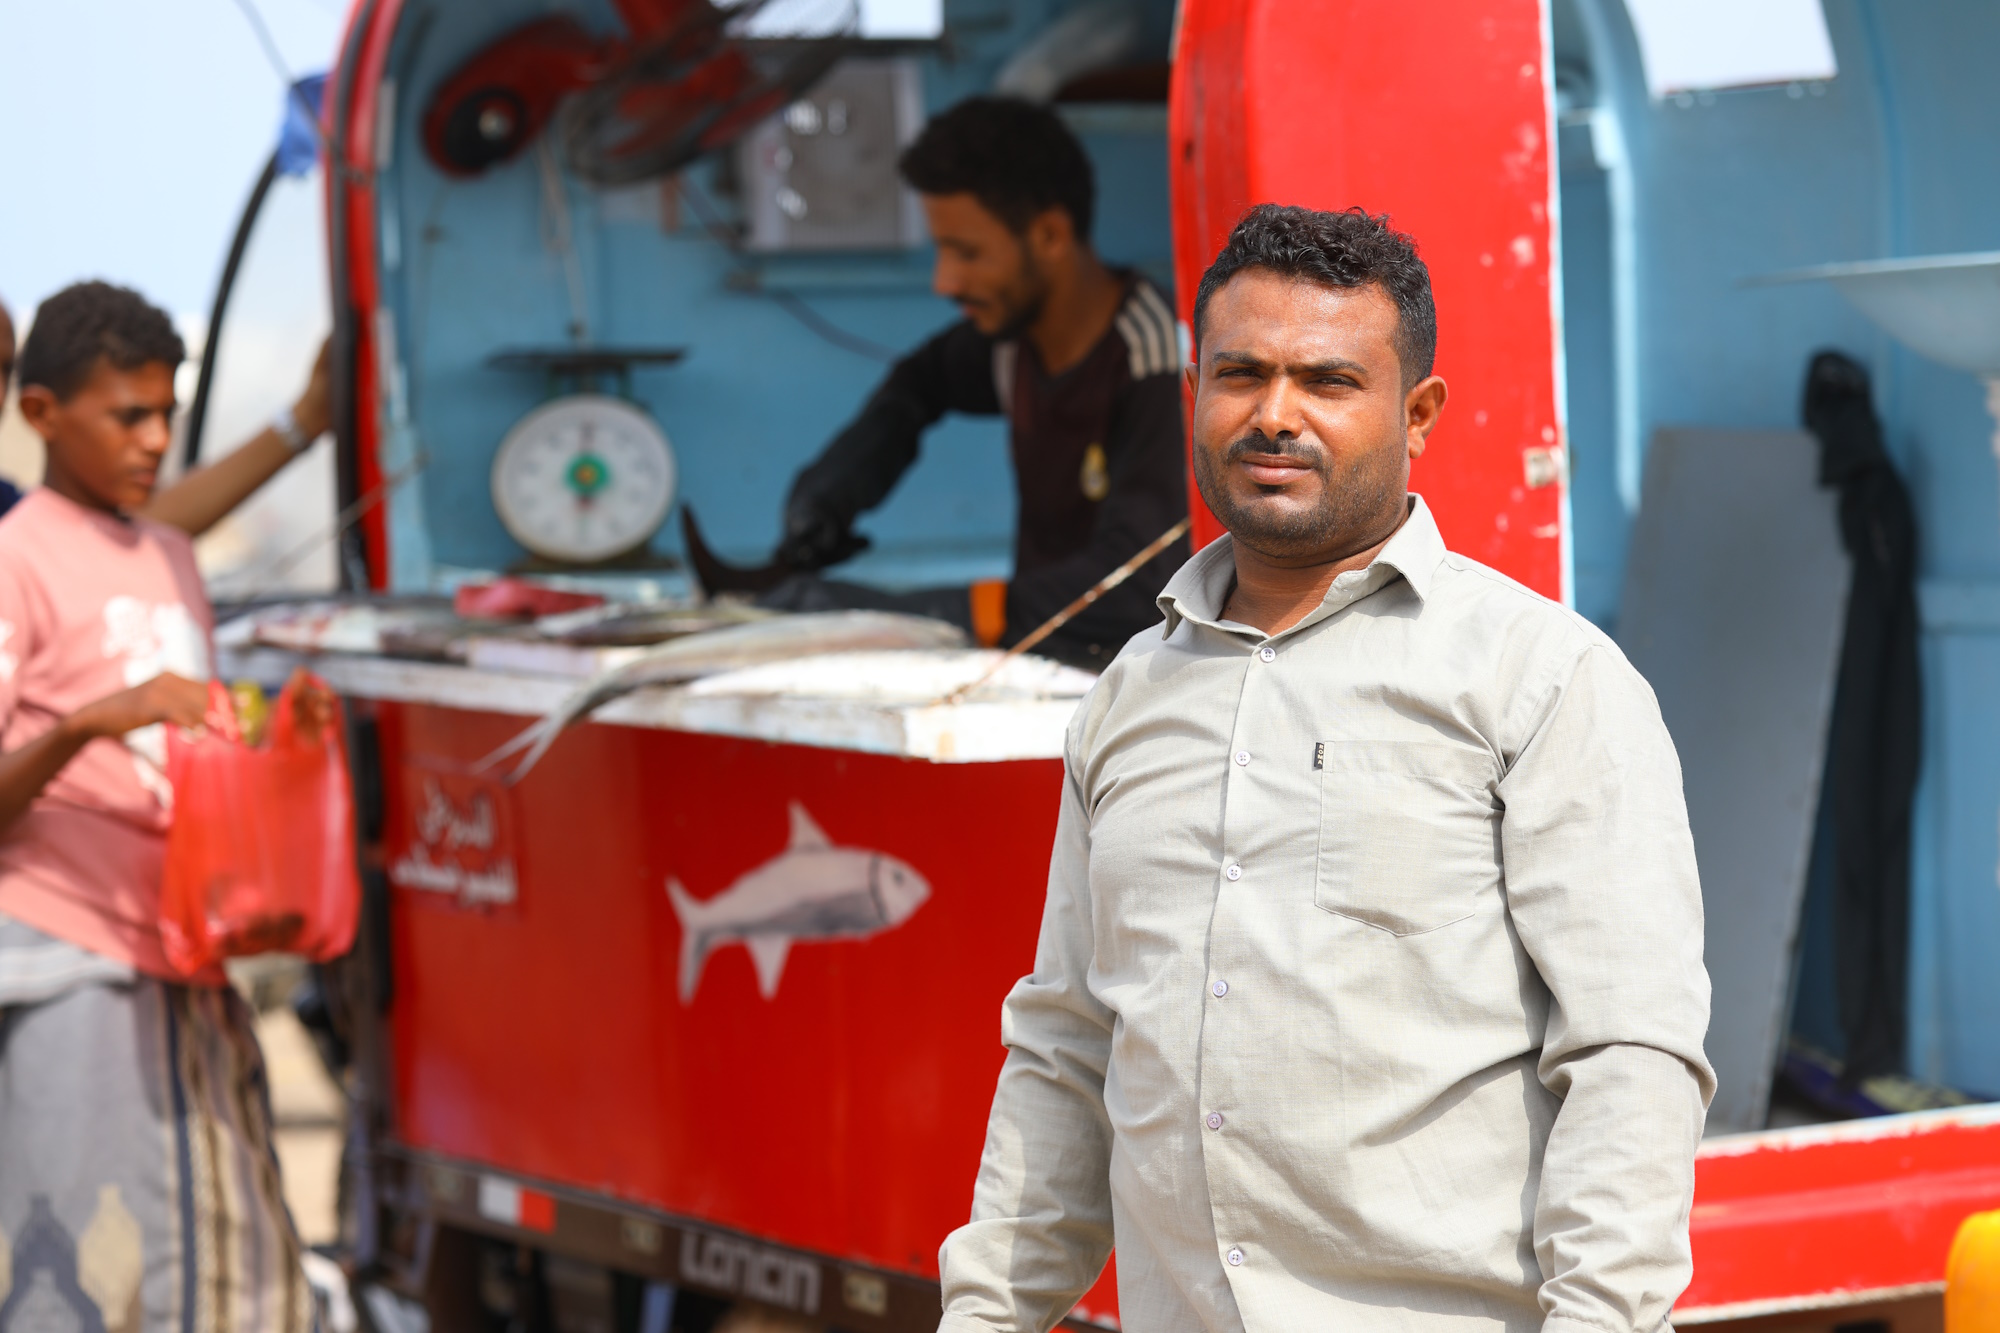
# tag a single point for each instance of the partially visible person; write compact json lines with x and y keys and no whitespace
{"x":9,"y":492}
{"x":1083,"y":360}
{"x":139,"y":1190}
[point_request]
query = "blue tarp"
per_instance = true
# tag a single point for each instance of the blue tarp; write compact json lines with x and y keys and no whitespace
{"x":299,"y":136}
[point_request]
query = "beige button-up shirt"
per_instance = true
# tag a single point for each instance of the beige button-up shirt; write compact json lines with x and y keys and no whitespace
{"x":1369,"y":992}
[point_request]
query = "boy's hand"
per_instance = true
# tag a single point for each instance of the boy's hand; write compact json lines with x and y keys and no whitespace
{"x":312,"y":706}
{"x":164,"y":698}
{"x":314,"y":410}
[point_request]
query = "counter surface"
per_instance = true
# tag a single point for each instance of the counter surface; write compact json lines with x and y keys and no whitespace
{"x":891,"y":703}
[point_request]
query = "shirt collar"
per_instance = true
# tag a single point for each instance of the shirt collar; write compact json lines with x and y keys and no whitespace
{"x":1199,"y":590}
{"x":111,"y":520}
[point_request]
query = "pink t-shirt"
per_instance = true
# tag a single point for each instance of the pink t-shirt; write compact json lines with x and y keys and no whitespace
{"x":91,"y":604}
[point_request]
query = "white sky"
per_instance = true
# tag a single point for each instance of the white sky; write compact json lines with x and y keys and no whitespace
{"x":131,"y":132}
{"x":1690,"y":44}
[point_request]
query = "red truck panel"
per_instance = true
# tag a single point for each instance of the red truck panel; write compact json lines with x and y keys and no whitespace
{"x":548,"y":1036}
{"x":1439,"y":114}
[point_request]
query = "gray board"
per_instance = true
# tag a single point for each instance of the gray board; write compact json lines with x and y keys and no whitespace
{"x":1735,"y":598}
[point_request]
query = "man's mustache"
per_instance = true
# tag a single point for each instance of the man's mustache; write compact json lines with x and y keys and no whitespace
{"x":1256,"y":442}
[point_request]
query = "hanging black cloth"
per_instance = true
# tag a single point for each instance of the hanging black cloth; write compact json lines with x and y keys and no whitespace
{"x":1875,"y":738}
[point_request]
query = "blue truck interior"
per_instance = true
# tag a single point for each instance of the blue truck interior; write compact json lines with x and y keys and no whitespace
{"x":468,"y":268}
{"x":1894,"y":156}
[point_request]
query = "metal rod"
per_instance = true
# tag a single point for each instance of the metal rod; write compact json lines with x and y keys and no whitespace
{"x":342,"y":521}
{"x":1075,"y":608}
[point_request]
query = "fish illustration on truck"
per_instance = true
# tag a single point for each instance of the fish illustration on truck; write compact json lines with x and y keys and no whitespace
{"x":812,"y":890}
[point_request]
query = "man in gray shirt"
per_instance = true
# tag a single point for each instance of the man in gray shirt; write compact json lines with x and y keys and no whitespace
{"x":1369,"y":992}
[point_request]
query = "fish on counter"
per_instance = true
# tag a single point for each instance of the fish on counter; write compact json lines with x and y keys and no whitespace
{"x":755,"y":643}
{"x":396,"y":626}
{"x":622,"y":625}
{"x":428,"y":629}
{"x":812,"y":890}
{"x":436,"y":629}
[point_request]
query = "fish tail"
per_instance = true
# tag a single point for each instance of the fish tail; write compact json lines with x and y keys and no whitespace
{"x":514,"y":744}
{"x":694,"y":940}
{"x":542,"y":743}
{"x":538,"y":736}
{"x":535,"y":738}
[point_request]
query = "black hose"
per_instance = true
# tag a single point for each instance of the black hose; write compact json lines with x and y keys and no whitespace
{"x":353,"y":552}
{"x":198,"y":411}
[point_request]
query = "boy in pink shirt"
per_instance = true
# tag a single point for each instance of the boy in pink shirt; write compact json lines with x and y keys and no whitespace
{"x":138,"y":1188}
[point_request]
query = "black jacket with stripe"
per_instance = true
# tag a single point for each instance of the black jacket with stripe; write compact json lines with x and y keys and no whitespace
{"x":1099,"y":456}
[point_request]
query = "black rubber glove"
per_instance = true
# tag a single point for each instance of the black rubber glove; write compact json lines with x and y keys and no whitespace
{"x":815,"y":539}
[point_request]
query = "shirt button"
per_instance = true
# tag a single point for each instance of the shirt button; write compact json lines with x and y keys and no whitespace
{"x":1215,"y":1120}
{"x":1220,"y":989}
{"x":1234,"y":872}
{"x":1236,"y":1258}
{"x":1242,"y":758}
{"x":1268,"y":654}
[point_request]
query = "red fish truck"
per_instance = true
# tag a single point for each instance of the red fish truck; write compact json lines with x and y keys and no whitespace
{"x":708,"y":1000}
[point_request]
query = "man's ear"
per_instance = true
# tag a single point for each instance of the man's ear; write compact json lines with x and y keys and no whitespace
{"x":1422,"y":406}
{"x":38,"y":408}
{"x":1050,"y":236}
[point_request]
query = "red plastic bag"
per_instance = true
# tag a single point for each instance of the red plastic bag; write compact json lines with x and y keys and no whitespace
{"x":260,"y":857}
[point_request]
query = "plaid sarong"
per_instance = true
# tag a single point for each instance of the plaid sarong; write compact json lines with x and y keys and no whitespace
{"x":138,"y":1185}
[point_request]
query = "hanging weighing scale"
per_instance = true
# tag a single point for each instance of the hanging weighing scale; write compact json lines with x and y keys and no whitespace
{"x":587,"y":477}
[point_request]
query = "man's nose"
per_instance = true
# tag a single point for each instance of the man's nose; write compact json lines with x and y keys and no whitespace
{"x":1279,"y":409}
{"x":153,"y":434}
{"x":946,"y":280}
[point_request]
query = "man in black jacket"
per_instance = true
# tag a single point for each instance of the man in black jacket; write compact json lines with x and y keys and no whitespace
{"x":1081,"y":358}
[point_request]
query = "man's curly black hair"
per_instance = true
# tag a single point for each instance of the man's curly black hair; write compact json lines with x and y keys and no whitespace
{"x":1016,"y":158}
{"x":1346,"y":249}
{"x":89,"y":322}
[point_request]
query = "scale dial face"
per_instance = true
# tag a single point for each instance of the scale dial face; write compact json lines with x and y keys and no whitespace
{"x":583,"y":478}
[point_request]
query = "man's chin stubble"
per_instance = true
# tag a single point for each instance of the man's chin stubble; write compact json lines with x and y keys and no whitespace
{"x":1280,"y":534}
{"x":1331,"y":529}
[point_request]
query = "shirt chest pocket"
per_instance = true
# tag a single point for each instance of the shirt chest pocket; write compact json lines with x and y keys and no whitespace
{"x":1409,"y":833}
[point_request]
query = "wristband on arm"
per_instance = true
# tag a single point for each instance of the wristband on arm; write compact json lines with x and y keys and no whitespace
{"x":290,"y":431}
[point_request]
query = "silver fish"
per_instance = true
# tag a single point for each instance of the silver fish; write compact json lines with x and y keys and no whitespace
{"x":812,"y":890}
{"x":774,"y":640}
